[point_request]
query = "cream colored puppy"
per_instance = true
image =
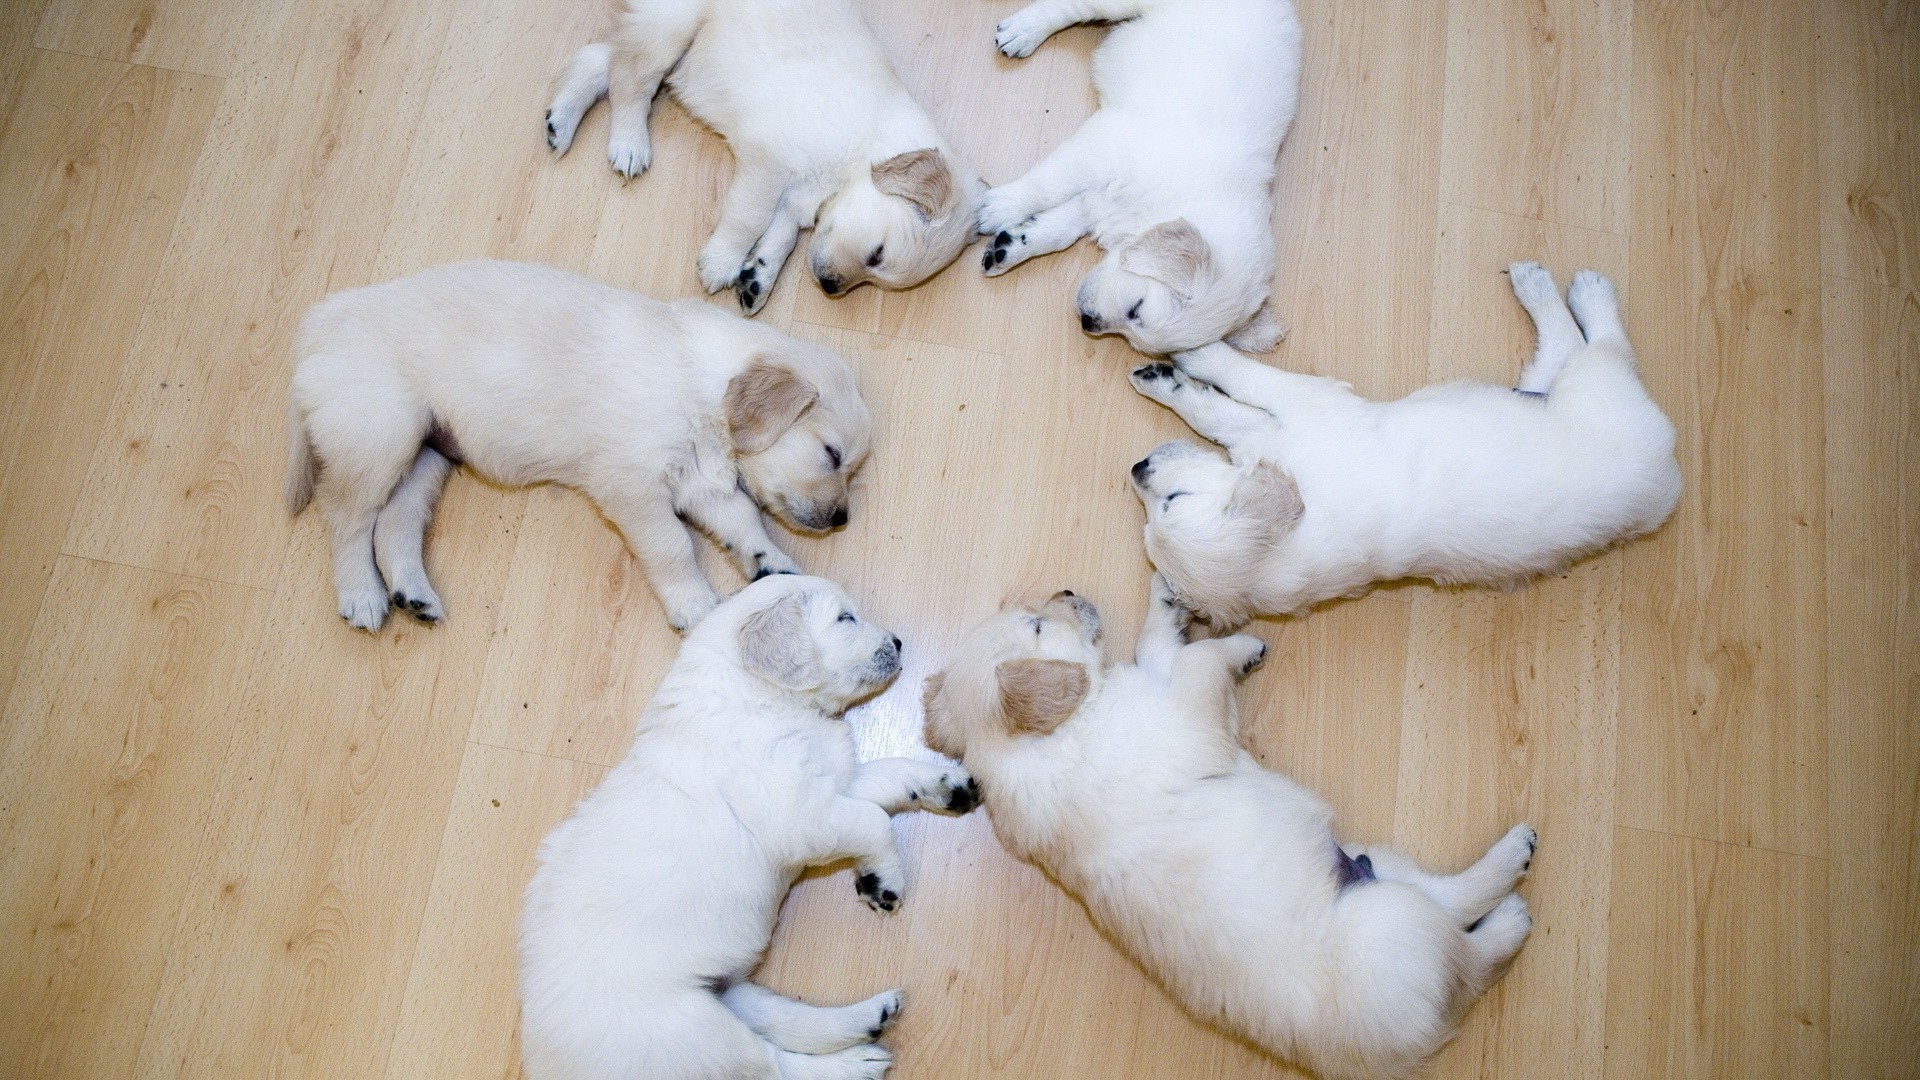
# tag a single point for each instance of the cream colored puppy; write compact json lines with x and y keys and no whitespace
{"x":1463,"y":483}
{"x":1173,"y":177}
{"x":655,"y":900}
{"x":663,"y":414}
{"x":1128,"y":786}
{"x":824,"y":136}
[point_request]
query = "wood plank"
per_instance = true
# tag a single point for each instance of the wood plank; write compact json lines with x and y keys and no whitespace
{"x":212,"y":37}
{"x":126,"y":697}
{"x":285,"y":205}
{"x":94,"y":163}
{"x":1868,"y":54}
{"x":461,"y":1013}
{"x":1718,"y":964}
{"x":1872,"y":349}
{"x":1536,"y":110}
{"x":1722,"y":664}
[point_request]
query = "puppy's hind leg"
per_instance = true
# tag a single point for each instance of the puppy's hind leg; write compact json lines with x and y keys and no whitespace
{"x":1559,"y":336}
{"x":1495,"y":941}
{"x":1164,"y":632}
{"x":399,"y":536}
{"x":1471,"y":893}
{"x":800,"y":1028}
{"x":1596,"y":309}
{"x":1207,"y":410}
{"x":365,"y":446}
{"x":1042,"y":234}
{"x":651,"y":38}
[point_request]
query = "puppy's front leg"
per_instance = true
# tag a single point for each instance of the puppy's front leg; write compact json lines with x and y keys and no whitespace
{"x":1042,"y":234}
{"x":762,"y":266}
{"x":860,"y":829}
{"x":1165,"y":630}
{"x":1205,"y":671}
{"x":745,"y":215}
{"x":1060,"y":176}
{"x":735,"y":522}
{"x":659,"y":539}
{"x":1023,"y":31}
{"x":1247,"y":380}
{"x":1205,"y":408}
{"x":898,"y":784}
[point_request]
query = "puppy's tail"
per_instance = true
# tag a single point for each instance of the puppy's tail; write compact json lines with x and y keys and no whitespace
{"x":301,"y":464}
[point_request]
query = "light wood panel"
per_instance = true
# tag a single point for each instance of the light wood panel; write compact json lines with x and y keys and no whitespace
{"x":239,"y":840}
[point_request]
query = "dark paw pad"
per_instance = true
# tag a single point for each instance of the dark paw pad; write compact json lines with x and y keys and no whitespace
{"x":962,"y":799}
{"x":868,"y":886}
{"x":1254,"y":662}
{"x":1153,"y":372}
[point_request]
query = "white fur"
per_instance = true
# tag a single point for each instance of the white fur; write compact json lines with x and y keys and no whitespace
{"x":657,"y":897}
{"x":1195,"y":97}
{"x":532,"y":374}
{"x":807,"y":100}
{"x":1463,"y":483}
{"x":1215,"y":874}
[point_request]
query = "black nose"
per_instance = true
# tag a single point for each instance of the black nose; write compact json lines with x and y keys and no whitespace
{"x":896,"y":643}
{"x":839,"y":517}
{"x":830,"y":285}
{"x":1066,"y":592}
{"x":1141,"y":468}
{"x":1089,"y":323}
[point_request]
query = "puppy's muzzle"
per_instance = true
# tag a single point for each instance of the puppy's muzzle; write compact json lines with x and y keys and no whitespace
{"x":1090,"y":322}
{"x":886,"y":660}
{"x":1078,"y":609}
{"x":1143,"y":470}
{"x":816,"y":520}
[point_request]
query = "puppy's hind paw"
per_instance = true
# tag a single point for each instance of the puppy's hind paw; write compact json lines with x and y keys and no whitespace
{"x":863,"y":1062}
{"x":420,"y":603}
{"x":365,"y":609}
{"x":886,"y":1008}
{"x":1253,"y":652}
{"x":629,"y":156}
{"x":1533,"y":285}
{"x":1514,"y":852}
{"x":880,"y":894}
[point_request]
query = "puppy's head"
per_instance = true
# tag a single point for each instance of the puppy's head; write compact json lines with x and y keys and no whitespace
{"x":1163,"y":292}
{"x":895,"y":224}
{"x":1210,"y":523}
{"x":800,"y":430}
{"x":1020,"y":674}
{"x":802,"y":634}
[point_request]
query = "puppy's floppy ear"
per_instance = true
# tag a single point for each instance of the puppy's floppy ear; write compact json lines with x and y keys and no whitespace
{"x":1268,"y":494}
{"x":762,"y":402}
{"x":1172,"y":253}
{"x":775,"y":645}
{"x":1260,"y":333}
{"x":919,"y":176}
{"x":1038,"y":695}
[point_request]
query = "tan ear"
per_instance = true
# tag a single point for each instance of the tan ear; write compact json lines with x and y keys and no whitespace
{"x":919,"y":176}
{"x":1260,"y":333}
{"x":1038,"y":695}
{"x":762,"y":402}
{"x":1172,"y":253}
{"x":1268,"y":494}
{"x":775,"y":645}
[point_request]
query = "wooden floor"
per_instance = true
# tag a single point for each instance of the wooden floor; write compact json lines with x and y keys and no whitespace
{"x":238,"y":840}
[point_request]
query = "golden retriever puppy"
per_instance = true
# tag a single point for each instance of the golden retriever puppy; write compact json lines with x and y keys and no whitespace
{"x":823,"y":133}
{"x":1128,"y":786}
{"x":663,"y":414}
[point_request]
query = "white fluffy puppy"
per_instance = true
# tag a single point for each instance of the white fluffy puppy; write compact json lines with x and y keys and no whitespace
{"x":1463,"y":483}
{"x":663,"y":414}
{"x":657,"y":897}
{"x":1128,"y":786}
{"x":824,"y":136}
{"x":1173,"y":176}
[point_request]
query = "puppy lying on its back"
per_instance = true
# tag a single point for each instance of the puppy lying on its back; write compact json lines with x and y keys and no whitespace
{"x":824,"y":136}
{"x":1173,"y":176}
{"x":1463,"y":483}
{"x":657,"y":897}
{"x":1128,"y":786}
{"x":663,"y":414}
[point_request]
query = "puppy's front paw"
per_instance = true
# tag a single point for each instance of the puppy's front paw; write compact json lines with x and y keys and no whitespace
{"x":364,"y":608}
{"x":629,"y":153}
{"x":880,"y":893}
{"x":1020,"y":34}
{"x":1000,"y":212}
{"x":1253,"y":653}
{"x":768,"y":563}
{"x":420,"y":602}
{"x":685,"y":612}
{"x":752,"y":285}
{"x":1007,"y":249}
{"x":886,"y":1008}
{"x":1592,"y":299}
{"x":956,"y":793}
{"x":863,"y":1062}
{"x":1514,"y":853}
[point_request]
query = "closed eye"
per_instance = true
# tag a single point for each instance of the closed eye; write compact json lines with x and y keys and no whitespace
{"x":846,"y":616}
{"x":833,"y":455}
{"x":1171,"y":495}
{"x":874,"y":256}
{"x":1133,"y":313}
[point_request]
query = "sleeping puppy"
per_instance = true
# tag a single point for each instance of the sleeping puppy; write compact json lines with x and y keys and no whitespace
{"x":1173,"y":176}
{"x":1128,"y":786}
{"x":824,"y":136}
{"x":663,"y":414}
{"x":1463,"y":483}
{"x":657,"y":897}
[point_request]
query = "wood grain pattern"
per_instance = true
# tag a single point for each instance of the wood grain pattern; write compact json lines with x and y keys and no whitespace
{"x":238,"y":840}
